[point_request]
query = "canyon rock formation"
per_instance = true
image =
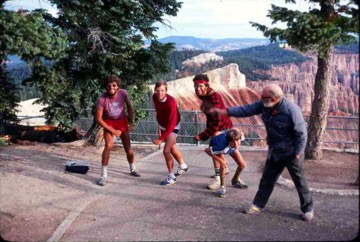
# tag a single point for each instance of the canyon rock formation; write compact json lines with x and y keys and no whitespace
{"x":296,"y":80}
{"x":201,"y":59}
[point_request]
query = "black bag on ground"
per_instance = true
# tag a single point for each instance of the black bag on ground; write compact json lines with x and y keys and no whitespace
{"x":77,"y":166}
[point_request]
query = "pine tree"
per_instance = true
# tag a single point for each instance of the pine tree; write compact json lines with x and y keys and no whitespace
{"x":104,"y":36}
{"x":332,"y":22}
{"x":26,"y":35}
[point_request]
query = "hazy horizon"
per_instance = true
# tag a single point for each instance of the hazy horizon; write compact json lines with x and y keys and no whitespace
{"x":214,"y":19}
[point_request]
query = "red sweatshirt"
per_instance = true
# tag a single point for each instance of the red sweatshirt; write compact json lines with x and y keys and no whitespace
{"x":167,"y":114}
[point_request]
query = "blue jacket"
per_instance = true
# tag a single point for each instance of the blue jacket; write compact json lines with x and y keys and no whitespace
{"x":286,"y":131}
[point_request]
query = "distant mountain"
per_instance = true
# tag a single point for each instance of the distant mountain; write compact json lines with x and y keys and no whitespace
{"x":211,"y":45}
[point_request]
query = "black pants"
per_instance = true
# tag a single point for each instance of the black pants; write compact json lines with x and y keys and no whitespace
{"x":271,"y":173}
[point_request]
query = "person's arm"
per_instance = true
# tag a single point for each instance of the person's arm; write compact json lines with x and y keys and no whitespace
{"x":101,"y":122}
{"x":219,"y":158}
{"x":300,"y":132}
{"x":172,"y":120}
{"x":130,"y":112}
{"x":213,"y":121}
{"x":156,"y":141}
{"x":246,"y":110}
{"x":239,"y":111}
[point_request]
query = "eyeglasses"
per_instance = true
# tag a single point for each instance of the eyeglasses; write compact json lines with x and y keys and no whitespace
{"x":264,"y":97}
{"x":199,"y":86}
{"x":111,"y":85}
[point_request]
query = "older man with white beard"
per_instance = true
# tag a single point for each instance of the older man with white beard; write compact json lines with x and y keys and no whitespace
{"x":286,"y":138}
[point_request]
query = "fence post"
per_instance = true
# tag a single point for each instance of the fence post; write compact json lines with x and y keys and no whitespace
{"x":197,"y":126}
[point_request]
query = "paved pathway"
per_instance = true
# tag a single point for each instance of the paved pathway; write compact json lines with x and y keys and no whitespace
{"x":133,"y":209}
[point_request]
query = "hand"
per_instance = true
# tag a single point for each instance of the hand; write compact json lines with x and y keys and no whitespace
{"x":156,"y":141}
{"x":197,"y":137}
{"x":117,"y":133}
{"x":131,"y":127}
{"x":297,"y":157}
{"x":223,"y":165}
{"x":218,"y":111}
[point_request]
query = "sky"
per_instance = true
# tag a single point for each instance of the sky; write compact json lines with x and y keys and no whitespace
{"x":216,"y":19}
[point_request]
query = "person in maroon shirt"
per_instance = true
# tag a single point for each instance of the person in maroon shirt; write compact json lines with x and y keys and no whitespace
{"x":214,"y":124}
{"x":168,"y":118}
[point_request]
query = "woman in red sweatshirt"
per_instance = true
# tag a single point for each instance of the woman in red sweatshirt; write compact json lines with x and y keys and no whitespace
{"x":168,"y":118}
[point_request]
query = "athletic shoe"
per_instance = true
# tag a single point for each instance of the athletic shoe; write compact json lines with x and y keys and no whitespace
{"x":215,"y":185}
{"x":239,"y":184}
{"x":180,"y":171}
{"x":253,"y":210}
{"x":135,"y":173}
{"x":168,"y":181}
{"x":101,"y":181}
{"x":308,"y":216}
{"x":222,"y":192}
{"x":227,"y":172}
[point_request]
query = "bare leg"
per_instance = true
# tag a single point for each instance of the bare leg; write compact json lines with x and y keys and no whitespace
{"x":174,"y":150}
{"x":109,"y":141}
{"x":216,"y":164}
{"x":169,"y":143}
{"x":240,"y":162}
{"x":223,"y":166}
{"x":125,"y":139}
{"x":220,"y":159}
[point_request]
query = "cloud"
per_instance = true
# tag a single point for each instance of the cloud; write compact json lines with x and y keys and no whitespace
{"x":203,"y":18}
{"x":223,"y":18}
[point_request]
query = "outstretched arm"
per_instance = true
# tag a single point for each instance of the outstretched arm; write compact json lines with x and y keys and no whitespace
{"x":218,"y":111}
{"x":240,"y":111}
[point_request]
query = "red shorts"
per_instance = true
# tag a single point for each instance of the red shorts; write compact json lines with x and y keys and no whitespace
{"x":119,"y":124}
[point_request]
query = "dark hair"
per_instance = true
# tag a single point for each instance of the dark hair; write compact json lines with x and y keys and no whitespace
{"x":201,"y":77}
{"x":161,"y":83}
{"x":233,"y":134}
{"x":112,"y":78}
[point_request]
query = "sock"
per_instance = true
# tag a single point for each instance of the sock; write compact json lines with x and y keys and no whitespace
{"x":183,"y":166}
{"x":132,"y":167}
{"x":172,"y":175}
{"x":104,"y":171}
{"x":217,"y":174}
{"x":222,"y":187}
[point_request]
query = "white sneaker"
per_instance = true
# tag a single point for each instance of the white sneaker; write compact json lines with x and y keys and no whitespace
{"x":222,"y":192}
{"x":308,"y":216}
{"x":101,"y":181}
{"x":180,"y":171}
{"x":168,"y":181}
{"x":215,"y":185}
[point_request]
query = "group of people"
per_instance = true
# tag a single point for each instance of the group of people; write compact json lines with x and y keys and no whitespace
{"x":284,"y":123}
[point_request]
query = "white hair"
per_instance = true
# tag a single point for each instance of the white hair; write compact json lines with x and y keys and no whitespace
{"x":275,"y":91}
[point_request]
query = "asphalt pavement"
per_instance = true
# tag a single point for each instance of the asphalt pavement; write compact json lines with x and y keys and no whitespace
{"x":140,"y":209}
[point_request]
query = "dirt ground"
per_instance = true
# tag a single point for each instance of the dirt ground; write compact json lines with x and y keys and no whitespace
{"x":25,"y":168}
{"x":336,"y":170}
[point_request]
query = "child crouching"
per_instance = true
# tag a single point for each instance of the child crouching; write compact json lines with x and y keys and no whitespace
{"x":228,"y":142}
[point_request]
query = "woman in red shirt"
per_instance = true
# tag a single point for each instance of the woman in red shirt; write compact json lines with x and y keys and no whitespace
{"x":168,"y":117}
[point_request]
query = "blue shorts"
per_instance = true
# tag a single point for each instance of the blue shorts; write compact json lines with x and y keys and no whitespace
{"x":220,"y":145}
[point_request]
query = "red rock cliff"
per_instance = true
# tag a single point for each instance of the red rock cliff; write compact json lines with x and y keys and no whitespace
{"x":297,"y":82}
